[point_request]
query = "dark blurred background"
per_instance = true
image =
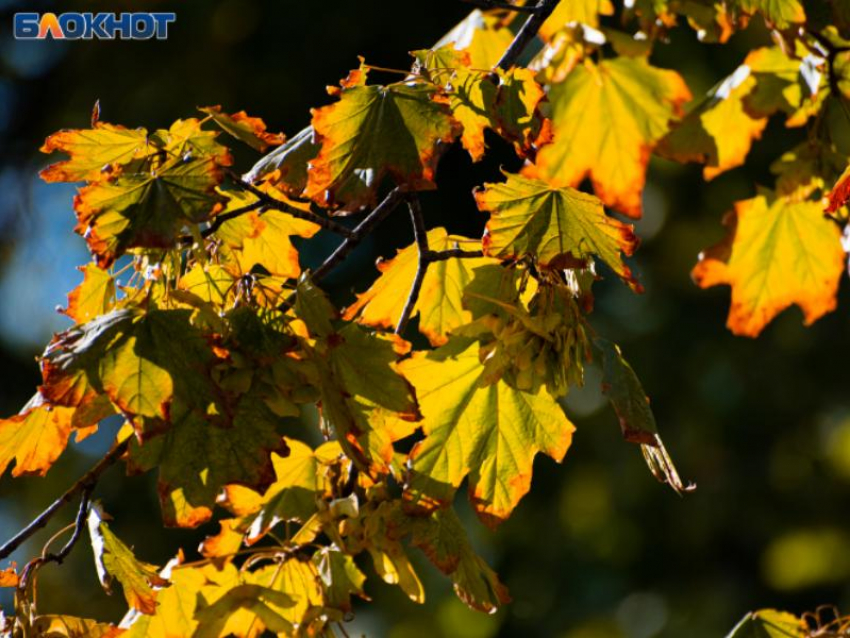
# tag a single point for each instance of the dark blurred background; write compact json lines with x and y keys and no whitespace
{"x":598,"y":549}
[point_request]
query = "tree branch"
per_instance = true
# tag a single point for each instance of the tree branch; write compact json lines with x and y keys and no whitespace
{"x":379,"y":214}
{"x":454,"y":253}
{"x":495,"y":4}
{"x":527,"y":33}
{"x":79,"y":525}
{"x":85,"y":484}
{"x":421,"y":237}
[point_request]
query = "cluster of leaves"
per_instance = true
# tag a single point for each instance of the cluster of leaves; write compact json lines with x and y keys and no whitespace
{"x":825,"y":622}
{"x":196,"y":325}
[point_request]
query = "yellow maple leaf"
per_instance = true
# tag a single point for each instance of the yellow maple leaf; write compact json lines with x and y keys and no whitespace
{"x":778,"y":252}
{"x":606,"y":119}
{"x":440,"y":299}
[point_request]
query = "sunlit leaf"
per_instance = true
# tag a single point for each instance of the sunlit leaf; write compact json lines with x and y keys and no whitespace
{"x":250,"y":130}
{"x":606,"y":119}
{"x":769,"y":623}
{"x":35,"y":438}
{"x":57,"y":626}
{"x":553,"y":224}
{"x":374,"y":132}
{"x":115,"y":560}
{"x":778,"y":252}
{"x":439,"y":303}
{"x":720,"y":131}
{"x":490,"y":433}
{"x":483,"y":37}
{"x":93,"y":297}
{"x":93,"y":151}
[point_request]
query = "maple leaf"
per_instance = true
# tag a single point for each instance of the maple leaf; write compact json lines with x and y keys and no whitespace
{"x":264,"y":239}
{"x":93,"y":297}
{"x":443,"y":538}
{"x":637,"y":422}
{"x":375,"y":131}
{"x":93,"y":152}
{"x":286,"y":166}
{"x":778,"y":252}
{"x":780,"y":13}
{"x":785,"y":83}
{"x":606,"y":118}
{"x":509,"y":107}
{"x":840,"y":193}
{"x":115,"y":560}
{"x":341,"y":578}
{"x":770,"y":623}
{"x":720,"y":131}
{"x":490,"y":433}
{"x":440,"y":300}
{"x":35,"y":438}
{"x":484,"y":38}
{"x":61,"y":626}
{"x":250,"y":130}
{"x":531,"y":217}
{"x":584,"y":11}
{"x":147,"y":209}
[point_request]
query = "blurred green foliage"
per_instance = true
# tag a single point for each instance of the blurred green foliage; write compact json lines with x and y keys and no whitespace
{"x":598,"y":549}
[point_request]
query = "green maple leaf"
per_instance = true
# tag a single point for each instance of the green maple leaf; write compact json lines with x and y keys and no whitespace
{"x":490,"y":433}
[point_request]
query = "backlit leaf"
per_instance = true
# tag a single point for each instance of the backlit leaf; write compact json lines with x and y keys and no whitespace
{"x":35,"y":438}
{"x":778,"y":252}
{"x":341,"y":578}
{"x":483,"y":37}
{"x":93,"y":297}
{"x":439,"y":303}
{"x":57,"y":626}
{"x":769,"y":623}
{"x":553,"y":224}
{"x":490,"y":433}
{"x":251,"y":130}
{"x":373,"y":132}
{"x":584,"y":11}
{"x":147,"y":209}
{"x":606,"y":119}
{"x":115,"y":560}
{"x":720,"y":131}
{"x":93,"y":151}
{"x":286,"y":166}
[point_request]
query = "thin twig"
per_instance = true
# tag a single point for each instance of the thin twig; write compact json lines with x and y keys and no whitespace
{"x":527,"y":33}
{"x":495,"y":4}
{"x":79,"y":525}
{"x":86,"y":482}
{"x":421,"y":237}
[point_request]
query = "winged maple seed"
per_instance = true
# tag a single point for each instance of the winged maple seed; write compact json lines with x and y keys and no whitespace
{"x":199,"y":324}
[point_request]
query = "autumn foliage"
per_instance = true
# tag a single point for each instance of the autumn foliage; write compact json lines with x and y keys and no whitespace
{"x":198,"y":326}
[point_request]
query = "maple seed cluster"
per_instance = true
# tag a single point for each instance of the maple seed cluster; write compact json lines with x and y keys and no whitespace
{"x":546,"y":345}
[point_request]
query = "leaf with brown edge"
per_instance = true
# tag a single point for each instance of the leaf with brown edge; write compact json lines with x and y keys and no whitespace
{"x":489,"y":433}
{"x":439,"y":304}
{"x":637,"y":422}
{"x":286,"y":166}
{"x":115,"y":560}
{"x":35,"y":438}
{"x":606,"y":119}
{"x":443,"y":539}
{"x":505,"y":102}
{"x":720,"y":131}
{"x":778,"y":252}
{"x":93,"y":152}
{"x":374,"y":132}
{"x":147,"y":209}
{"x":530,"y":216}
{"x":250,"y":130}
{"x":365,"y":399}
{"x":93,"y":297}
{"x":840,"y":193}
